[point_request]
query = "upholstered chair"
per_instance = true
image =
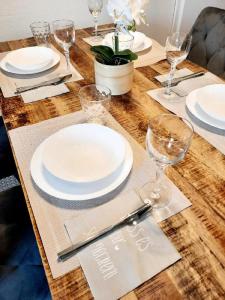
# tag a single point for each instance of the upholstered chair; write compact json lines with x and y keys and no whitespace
{"x":208,"y":45}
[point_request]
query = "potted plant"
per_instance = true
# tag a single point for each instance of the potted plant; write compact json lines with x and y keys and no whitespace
{"x":113,"y":66}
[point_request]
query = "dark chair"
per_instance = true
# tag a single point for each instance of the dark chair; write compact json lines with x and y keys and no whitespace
{"x":21,"y":272}
{"x":208,"y":45}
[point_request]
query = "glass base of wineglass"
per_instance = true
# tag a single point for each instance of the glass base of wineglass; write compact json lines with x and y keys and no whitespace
{"x":172,"y":97}
{"x":157,"y":198}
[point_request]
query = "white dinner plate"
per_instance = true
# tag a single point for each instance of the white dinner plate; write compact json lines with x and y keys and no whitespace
{"x":194,"y":108}
{"x":77,"y":192}
{"x":140,"y":45}
{"x":83,"y":153}
{"x":29,"y":58}
{"x":211,"y":100}
{"x":4,"y":65}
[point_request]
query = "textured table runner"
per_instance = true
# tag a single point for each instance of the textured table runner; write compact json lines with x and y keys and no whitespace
{"x":9,"y":82}
{"x":147,"y":57}
{"x":215,"y":137}
{"x":51,"y":214}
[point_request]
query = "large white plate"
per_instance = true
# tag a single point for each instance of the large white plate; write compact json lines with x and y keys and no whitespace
{"x":194,"y":108}
{"x":77,"y":192}
{"x":4,"y":65}
{"x":29,"y":58}
{"x":211,"y":100}
{"x":138,"y":46}
{"x":83,"y":153}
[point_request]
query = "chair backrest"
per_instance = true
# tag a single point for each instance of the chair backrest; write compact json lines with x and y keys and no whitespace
{"x":208,"y":45}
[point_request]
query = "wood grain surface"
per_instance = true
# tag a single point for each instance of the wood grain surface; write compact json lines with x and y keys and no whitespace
{"x":198,"y":232}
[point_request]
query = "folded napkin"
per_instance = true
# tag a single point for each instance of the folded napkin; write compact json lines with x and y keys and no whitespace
{"x":119,"y":256}
{"x":178,"y":74}
{"x":9,"y":82}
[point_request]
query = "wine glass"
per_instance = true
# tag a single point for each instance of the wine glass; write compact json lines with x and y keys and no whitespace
{"x":95,"y":8}
{"x":177,"y":48}
{"x":167,"y":141}
{"x":64,"y":34}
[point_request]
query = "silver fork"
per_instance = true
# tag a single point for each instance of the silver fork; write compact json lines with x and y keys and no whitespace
{"x":54,"y":81}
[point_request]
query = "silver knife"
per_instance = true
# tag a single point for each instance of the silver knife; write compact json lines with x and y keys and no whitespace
{"x":54,"y":81}
{"x":178,"y":80}
{"x":136,"y":215}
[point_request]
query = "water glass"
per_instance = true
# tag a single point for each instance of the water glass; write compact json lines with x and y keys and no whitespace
{"x":41,"y":33}
{"x":95,"y":8}
{"x":178,"y":46}
{"x":64,"y":34}
{"x":95,"y":102}
{"x":167,"y":141}
{"x":125,"y":41}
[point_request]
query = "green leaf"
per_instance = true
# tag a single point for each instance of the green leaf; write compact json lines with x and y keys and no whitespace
{"x":103,"y":50}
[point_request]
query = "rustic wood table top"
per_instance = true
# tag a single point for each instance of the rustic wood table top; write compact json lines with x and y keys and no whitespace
{"x":198,"y":232}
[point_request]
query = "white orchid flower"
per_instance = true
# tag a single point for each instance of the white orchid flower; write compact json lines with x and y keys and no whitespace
{"x":125,"y":11}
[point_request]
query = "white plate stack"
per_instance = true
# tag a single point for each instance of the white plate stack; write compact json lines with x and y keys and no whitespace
{"x":29,"y":60}
{"x":208,"y":105}
{"x":81,"y":162}
{"x":141,"y":41}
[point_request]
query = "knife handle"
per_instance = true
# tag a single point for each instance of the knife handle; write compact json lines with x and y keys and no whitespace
{"x":180,"y":79}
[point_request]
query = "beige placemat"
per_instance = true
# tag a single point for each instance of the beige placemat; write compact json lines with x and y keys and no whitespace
{"x":147,"y":57}
{"x":214,"y":136}
{"x":9,"y":82}
{"x":51,"y":214}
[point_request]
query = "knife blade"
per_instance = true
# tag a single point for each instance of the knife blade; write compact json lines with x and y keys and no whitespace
{"x":178,"y":80}
{"x":54,"y":81}
{"x":136,"y":215}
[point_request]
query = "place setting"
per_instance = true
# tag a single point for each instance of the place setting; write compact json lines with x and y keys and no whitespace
{"x":40,"y":71}
{"x":149,"y":51}
{"x":195,"y":96}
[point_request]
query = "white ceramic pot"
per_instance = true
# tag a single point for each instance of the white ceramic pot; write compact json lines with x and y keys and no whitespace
{"x":118,"y":79}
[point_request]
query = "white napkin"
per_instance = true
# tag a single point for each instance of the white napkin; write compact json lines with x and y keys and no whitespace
{"x":178,"y":73}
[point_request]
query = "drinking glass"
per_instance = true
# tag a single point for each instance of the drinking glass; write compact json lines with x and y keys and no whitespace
{"x":95,"y":8}
{"x":64,"y":34}
{"x":177,"y":48}
{"x":125,"y":41}
{"x":167,"y":141}
{"x":95,"y":102}
{"x":41,"y":33}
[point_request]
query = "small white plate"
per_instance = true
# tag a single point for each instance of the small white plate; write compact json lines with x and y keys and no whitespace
{"x":211,"y":100}
{"x":78,"y":192}
{"x":194,"y":108}
{"x":83,"y":153}
{"x":29,"y":58}
{"x":143,"y":42}
{"x":4,"y":65}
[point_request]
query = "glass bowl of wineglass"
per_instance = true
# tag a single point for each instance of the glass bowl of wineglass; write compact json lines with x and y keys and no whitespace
{"x":178,"y":45}
{"x":95,"y":8}
{"x":167,"y":141}
{"x":64,"y":34}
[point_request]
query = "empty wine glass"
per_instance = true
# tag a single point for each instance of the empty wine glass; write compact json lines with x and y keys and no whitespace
{"x":95,"y":8}
{"x":177,"y":48}
{"x":167,"y":141}
{"x":64,"y":34}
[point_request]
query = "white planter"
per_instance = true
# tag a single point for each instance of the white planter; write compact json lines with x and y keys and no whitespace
{"x":118,"y":79}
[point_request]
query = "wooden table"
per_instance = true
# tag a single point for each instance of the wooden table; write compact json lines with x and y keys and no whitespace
{"x":198,"y":233}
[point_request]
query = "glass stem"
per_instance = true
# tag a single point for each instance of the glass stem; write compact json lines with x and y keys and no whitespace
{"x":160,"y":168}
{"x":67,"y":56}
{"x":170,"y":79}
{"x":96,"y":27}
